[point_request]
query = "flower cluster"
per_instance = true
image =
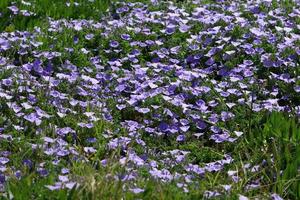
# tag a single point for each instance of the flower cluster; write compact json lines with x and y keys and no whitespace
{"x":161,"y":75}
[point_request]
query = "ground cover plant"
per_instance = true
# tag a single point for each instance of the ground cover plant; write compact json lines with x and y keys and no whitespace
{"x":149,"y":100}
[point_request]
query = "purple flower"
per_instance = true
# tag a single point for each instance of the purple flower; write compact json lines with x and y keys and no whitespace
{"x":170,"y":30}
{"x":248,"y":73}
{"x":15,"y":107}
{"x":241,"y":197}
{"x":215,"y":129}
{"x":37,"y":66}
{"x":18,"y":174}
{"x":65,"y":171}
{"x":137,"y":190}
{"x":163,"y":126}
{"x":180,"y":138}
{"x":238,"y":133}
{"x":227,"y":187}
{"x":62,"y":152}
{"x":64,"y":131}
{"x":28,"y":163}
{"x":103,"y":162}
{"x":43,"y":172}
{"x":114,"y":44}
{"x":86,"y":125}
{"x":210,"y":61}
{"x":125,"y":37}
{"x":3,"y":160}
{"x":70,"y":185}
{"x":201,"y":124}
{"x":14,"y":9}
{"x":120,"y":88}
{"x":89,"y":150}
{"x":211,"y":194}
{"x":201,"y":105}
{"x":184,"y":128}
{"x":2,"y":179}
{"x":53,"y":187}
{"x":89,"y":36}
{"x":121,"y":106}
{"x":63,"y":178}
{"x":184,"y":28}
{"x":33,"y":118}
{"x":143,"y":110}
{"x":194,"y":47}
{"x":297,"y":89}
{"x":276,"y":197}
{"x":7,"y":82}
{"x":257,"y":32}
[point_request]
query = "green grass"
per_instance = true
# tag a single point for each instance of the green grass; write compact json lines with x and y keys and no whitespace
{"x":276,"y":135}
{"x":56,"y":9}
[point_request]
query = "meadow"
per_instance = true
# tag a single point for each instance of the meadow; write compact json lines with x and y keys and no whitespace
{"x":150,"y":99}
